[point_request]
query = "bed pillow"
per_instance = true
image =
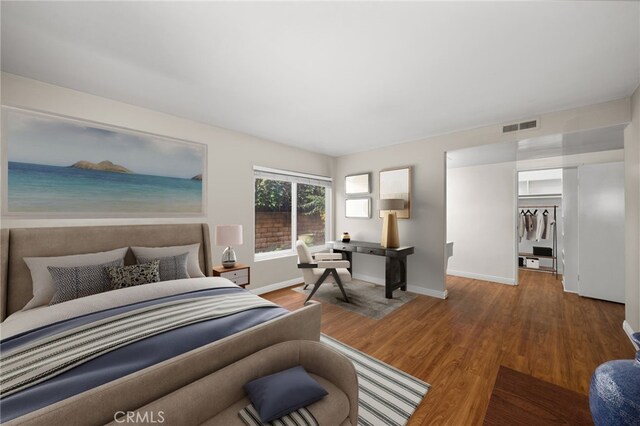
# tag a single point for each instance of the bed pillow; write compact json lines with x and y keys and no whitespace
{"x":193,"y":263}
{"x":43,"y":286}
{"x":171,"y":267}
{"x":281,"y":393}
{"x":133,"y":275}
{"x":80,"y":281}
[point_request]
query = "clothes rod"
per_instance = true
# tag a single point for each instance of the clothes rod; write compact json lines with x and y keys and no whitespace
{"x":539,"y":207}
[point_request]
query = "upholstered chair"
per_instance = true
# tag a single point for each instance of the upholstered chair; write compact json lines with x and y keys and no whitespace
{"x":322,"y":267}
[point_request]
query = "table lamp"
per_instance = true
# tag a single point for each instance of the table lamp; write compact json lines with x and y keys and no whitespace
{"x":389,"y":206}
{"x":228,"y":235}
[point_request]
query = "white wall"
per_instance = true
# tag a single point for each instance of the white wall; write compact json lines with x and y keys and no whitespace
{"x":573,"y":160}
{"x":231,"y":157}
{"x":570,"y":255}
{"x":426,"y":229}
{"x":481,"y":221}
{"x":632,"y":216}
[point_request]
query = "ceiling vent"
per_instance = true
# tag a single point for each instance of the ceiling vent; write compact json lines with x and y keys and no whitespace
{"x":510,"y":128}
{"x":524,"y":125}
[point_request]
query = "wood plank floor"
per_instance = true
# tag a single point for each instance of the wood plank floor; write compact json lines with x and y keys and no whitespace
{"x":522,"y":400}
{"x":458,"y":344}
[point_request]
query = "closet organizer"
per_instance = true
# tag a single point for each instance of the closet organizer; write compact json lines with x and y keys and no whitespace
{"x":554,"y":238}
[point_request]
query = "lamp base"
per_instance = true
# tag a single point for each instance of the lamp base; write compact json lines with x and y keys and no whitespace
{"x":229,"y":258}
{"x":390,"y":237}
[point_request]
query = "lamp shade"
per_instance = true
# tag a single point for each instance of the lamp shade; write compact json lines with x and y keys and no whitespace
{"x":228,"y":235}
{"x":391,"y":204}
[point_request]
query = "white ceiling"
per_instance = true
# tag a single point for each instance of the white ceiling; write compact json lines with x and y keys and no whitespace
{"x":596,"y":140}
{"x":331,"y":77}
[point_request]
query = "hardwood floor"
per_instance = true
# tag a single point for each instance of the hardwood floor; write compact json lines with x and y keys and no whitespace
{"x":457,"y":345}
{"x":521,"y":399}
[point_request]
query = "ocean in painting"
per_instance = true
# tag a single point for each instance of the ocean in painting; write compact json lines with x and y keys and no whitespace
{"x":36,"y":188}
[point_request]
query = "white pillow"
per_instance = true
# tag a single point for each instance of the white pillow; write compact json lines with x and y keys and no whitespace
{"x":43,"y":287}
{"x":193,"y":264}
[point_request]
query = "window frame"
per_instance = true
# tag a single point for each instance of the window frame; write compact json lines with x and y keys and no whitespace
{"x":294,"y":178}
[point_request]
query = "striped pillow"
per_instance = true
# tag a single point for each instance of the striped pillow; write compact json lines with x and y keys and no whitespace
{"x":301,"y":417}
{"x":80,"y":281}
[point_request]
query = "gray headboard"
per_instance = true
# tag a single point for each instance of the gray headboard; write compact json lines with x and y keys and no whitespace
{"x":17,"y":243}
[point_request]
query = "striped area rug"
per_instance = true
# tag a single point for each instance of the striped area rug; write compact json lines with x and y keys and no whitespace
{"x":388,"y":396}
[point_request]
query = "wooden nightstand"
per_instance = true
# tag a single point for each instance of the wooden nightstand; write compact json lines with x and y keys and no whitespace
{"x":239,"y":274}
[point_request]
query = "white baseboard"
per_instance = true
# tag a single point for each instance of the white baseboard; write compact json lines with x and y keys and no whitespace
{"x":492,"y":278}
{"x":627,"y":329}
{"x":369,"y":279}
{"x":276,"y":286}
{"x":412,"y":288}
{"x":428,"y":291}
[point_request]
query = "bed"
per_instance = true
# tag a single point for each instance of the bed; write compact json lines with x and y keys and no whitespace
{"x":138,"y":372}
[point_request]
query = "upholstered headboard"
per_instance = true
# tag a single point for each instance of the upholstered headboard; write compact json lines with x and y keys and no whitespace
{"x":17,"y":243}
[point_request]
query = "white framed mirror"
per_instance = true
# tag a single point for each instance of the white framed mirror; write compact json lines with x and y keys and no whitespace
{"x":358,"y":208}
{"x":357,"y":184}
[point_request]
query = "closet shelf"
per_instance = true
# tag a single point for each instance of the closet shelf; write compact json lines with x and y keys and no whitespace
{"x":535,"y":255}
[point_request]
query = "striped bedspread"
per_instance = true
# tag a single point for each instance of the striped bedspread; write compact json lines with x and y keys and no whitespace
{"x":47,"y":357}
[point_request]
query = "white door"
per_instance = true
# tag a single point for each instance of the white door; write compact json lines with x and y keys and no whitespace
{"x":601,"y":231}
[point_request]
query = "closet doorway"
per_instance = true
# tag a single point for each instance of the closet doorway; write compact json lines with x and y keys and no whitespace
{"x":571,"y":187}
{"x":540,"y":230}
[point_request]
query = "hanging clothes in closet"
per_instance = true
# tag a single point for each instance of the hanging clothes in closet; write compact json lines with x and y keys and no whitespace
{"x":536,"y":225}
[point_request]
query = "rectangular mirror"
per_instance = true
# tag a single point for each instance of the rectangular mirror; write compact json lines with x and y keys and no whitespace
{"x":357,"y":184}
{"x":358,"y":208}
{"x":396,"y":183}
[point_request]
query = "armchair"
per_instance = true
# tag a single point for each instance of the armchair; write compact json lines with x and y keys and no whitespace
{"x":321,"y":267}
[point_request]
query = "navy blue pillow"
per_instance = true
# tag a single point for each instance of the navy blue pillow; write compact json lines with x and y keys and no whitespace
{"x":281,"y":393}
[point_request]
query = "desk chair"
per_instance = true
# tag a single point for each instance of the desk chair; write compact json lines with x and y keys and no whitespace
{"x":321,"y":267}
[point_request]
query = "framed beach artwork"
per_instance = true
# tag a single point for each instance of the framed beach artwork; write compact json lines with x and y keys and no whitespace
{"x":396,"y":183}
{"x":62,"y":167}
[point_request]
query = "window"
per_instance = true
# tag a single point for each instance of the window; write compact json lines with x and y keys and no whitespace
{"x":290,"y":206}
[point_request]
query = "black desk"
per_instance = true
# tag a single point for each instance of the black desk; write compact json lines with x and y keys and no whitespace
{"x":396,"y":261}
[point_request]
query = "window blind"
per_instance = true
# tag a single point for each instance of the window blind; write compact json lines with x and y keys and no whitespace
{"x":287,"y":176}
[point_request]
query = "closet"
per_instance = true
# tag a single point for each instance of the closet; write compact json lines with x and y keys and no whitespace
{"x":539,"y":229}
{"x":586,"y":245}
{"x":537,"y":223}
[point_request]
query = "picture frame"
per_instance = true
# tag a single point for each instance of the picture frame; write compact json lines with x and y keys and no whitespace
{"x":55,"y":166}
{"x":357,"y":184}
{"x":396,"y":183}
{"x":357,"y":208}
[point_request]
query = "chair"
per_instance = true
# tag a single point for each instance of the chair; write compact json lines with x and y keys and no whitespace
{"x":321,"y":267}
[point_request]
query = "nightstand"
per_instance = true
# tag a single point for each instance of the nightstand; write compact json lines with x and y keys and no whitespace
{"x":239,"y":274}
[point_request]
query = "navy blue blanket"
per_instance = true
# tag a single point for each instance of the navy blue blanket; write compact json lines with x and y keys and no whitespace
{"x":128,"y":359}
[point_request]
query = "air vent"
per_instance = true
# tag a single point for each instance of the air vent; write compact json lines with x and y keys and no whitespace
{"x":509,"y":128}
{"x":524,"y":125}
{"x":527,"y":125}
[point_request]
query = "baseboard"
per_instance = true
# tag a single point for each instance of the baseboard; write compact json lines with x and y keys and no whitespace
{"x":627,"y":329}
{"x":428,"y":291}
{"x":368,"y":278}
{"x":491,"y":278}
{"x":412,"y":288}
{"x":276,"y":286}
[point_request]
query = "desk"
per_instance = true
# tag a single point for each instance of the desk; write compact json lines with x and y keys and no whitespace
{"x":396,"y":261}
